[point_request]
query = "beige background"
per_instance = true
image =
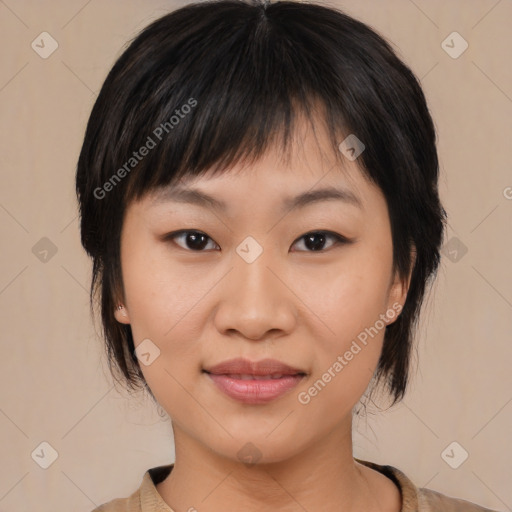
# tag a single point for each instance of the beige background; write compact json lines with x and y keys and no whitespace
{"x":54,"y":383}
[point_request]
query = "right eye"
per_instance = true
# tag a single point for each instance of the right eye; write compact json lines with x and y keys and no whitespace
{"x":191,"y":240}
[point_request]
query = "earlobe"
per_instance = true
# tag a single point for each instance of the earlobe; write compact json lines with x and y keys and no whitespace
{"x":398,"y":295}
{"x":121,"y":314}
{"x":396,"y":301}
{"x":400,"y":288}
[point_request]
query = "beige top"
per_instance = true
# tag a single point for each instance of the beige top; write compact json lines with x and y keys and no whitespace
{"x":147,"y":499}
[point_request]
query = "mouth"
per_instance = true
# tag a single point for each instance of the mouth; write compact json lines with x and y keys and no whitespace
{"x":257,"y":377}
{"x":244,"y":369}
{"x":254,"y":382}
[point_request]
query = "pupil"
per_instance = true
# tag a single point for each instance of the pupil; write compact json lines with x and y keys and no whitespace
{"x":318,"y":245}
{"x":194,"y":237}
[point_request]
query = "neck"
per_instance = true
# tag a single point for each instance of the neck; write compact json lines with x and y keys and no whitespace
{"x":323,"y":476}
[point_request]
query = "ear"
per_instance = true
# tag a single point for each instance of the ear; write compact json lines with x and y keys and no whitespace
{"x":120,"y":310}
{"x":399,"y":288}
{"x":121,"y":314}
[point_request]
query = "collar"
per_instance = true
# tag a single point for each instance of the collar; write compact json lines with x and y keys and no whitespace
{"x":151,"y":501}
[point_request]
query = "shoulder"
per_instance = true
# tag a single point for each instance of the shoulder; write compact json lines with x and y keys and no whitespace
{"x":130,"y":504}
{"x":416,"y":499}
{"x":145,"y":499}
{"x":430,"y":500}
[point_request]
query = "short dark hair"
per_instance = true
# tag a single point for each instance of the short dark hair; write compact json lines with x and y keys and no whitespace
{"x":224,"y":79}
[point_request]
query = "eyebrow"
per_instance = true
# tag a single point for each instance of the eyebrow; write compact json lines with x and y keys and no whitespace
{"x":196,"y":197}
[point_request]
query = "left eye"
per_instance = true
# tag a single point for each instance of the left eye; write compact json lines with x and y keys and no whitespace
{"x":314,"y":241}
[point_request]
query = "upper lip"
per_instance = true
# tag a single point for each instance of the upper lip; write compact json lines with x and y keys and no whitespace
{"x":240,"y":366}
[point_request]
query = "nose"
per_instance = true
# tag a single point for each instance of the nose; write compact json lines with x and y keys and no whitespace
{"x":255,"y":301}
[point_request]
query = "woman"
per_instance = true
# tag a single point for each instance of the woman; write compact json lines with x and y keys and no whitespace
{"x":258,"y":192}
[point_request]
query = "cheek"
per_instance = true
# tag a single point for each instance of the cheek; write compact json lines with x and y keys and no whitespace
{"x":349,"y":302}
{"x":166,"y":305}
{"x":347,"y":354}
{"x":160,"y":294}
{"x":349,"y":296}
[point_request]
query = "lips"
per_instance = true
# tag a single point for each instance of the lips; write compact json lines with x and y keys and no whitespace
{"x":256,"y":382}
{"x":244,"y":369}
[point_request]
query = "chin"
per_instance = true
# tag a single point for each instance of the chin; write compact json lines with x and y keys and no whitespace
{"x":257,"y":449}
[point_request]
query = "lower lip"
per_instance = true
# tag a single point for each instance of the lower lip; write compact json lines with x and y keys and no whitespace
{"x":255,"y":391}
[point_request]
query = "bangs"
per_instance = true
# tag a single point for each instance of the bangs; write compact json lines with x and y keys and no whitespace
{"x":224,"y":135}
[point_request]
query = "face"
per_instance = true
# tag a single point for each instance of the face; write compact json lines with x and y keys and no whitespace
{"x":308,"y":284}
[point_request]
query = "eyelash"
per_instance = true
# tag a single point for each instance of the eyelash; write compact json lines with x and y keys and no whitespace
{"x":338,"y":239}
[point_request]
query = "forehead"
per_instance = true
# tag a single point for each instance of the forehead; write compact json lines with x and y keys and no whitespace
{"x":265,"y":188}
{"x":308,"y":170}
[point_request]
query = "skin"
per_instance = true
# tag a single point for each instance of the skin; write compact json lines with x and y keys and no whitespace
{"x":294,"y":304}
